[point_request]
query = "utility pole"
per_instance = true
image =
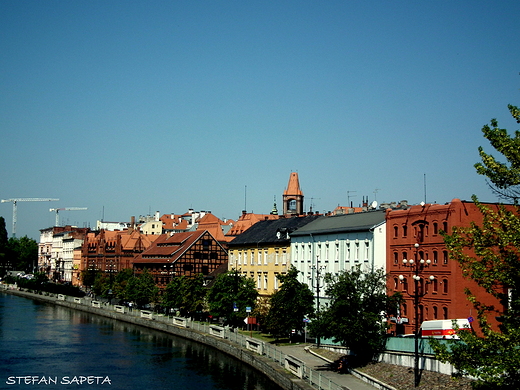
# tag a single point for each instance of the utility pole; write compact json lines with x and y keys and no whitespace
{"x":16,"y":200}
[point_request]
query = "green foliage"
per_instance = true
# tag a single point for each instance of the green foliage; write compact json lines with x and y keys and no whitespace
{"x":40,"y":283}
{"x":489,"y":254}
{"x":232,"y":289}
{"x":289,"y":305}
{"x":353,"y":317}
{"x":88,"y":276}
{"x":142,"y":289}
{"x":505,"y":177}
{"x":120,"y":282}
{"x":186,"y":294}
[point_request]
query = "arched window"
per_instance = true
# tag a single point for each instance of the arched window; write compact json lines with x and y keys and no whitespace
{"x":445,"y":286}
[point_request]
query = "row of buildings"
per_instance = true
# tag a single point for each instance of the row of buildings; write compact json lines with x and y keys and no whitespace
{"x":404,"y":240}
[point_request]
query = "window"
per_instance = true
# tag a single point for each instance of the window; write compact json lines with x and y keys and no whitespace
{"x":405,"y":231}
{"x":445,"y":257}
{"x":276,"y":281}
{"x":265,"y":280}
{"x":239,"y":258}
{"x":284,"y":256}
{"x":445,"y":313}
{"x":396,"y":258}
{"x":265,"y":256}
{"x":396,"y":231}
{"x":435,"y":313}
{"x":435,"y":228}
{"x":435,"y":257}
{"x":434,"y":285}
{"x":259,"y":281}
{"x":252,"y":257}
{"x":259,"y":257}
{"x":445,"y":286}
{"x":445,"y":226}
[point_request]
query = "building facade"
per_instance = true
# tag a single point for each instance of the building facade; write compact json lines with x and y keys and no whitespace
{"x":416,"y":248}
{"x":263,"y":251}
{"x":337,"y":243}
{"x":182,"y":254}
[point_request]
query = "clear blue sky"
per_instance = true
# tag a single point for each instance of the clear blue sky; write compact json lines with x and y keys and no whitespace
{"x":136,"y":106}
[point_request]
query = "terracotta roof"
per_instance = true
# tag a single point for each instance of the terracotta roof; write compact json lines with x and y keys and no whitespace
{"x":214,"y":225}
{"x":168,"y":248}
{"x":293,"y":188}
{"x":247,"y":220}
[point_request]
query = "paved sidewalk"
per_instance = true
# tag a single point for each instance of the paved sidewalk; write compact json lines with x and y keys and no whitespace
{"x":348,"y":381}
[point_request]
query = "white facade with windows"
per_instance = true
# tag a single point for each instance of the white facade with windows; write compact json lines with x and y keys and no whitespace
{"x":338,"y":243}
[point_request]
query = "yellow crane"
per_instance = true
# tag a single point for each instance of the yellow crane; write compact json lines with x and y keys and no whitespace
{"x":16,"y":200}
{"x":64,"y":209}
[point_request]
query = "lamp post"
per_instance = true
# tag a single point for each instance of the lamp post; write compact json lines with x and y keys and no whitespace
{"x":416,"y":267}
{"x":317,"y":268}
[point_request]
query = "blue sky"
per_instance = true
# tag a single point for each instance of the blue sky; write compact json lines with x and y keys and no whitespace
{"x":132,"y":107}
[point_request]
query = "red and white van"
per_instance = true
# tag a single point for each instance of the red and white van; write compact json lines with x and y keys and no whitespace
{"x":443,"y":329}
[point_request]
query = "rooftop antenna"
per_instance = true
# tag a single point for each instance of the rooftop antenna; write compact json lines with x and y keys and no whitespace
{"x":424,"y":187}
{"x":349,"y":204}
{"x":375,"y":193}
{"x":245,"y":197}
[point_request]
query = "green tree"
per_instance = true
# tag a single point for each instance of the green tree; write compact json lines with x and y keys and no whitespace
{"x":24,"y":252}
{"x":289,"y":305}
{"x":120,"y":282}
{"x":503,"y":178}
{"x":142,"y":289}
{"x":230,"y":295}
{"x":489,"y":254}
{"x":172,"y":297}
{"x":5,"y":252}
{"x":354,"y":314}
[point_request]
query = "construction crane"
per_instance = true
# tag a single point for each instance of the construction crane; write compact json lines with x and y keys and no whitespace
{"x":64,"y":209}
{"x":16,"y":200}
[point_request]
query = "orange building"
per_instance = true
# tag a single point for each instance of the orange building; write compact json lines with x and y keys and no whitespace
{"x":414,"y":242}
{"x":113,"y":251}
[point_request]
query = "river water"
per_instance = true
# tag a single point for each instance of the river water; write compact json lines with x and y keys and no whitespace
{"x":51,"y":347}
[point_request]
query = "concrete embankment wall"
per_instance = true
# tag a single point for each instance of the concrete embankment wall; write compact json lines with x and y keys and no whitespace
{"x":272,"y":370}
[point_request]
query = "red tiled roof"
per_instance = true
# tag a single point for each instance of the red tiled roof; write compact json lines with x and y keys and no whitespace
{"x":168,"y":248}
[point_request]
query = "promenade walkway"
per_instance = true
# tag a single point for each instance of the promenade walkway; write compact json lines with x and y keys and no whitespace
{"x":322,"y":365}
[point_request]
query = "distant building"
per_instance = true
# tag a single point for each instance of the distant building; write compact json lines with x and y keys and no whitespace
{"x":188,"y":253}
{"x":112,"y":251}
{"x":56,"y":251}
{"x":262,"y":252}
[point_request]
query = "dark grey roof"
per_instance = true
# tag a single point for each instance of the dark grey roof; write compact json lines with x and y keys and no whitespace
{"x":264,"y":232}
{"x":343,"y":223}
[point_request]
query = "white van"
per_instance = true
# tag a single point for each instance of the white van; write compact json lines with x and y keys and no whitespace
{"x":443,"y":329}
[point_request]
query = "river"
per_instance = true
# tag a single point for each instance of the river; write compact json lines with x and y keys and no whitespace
{"x":52,"y":347}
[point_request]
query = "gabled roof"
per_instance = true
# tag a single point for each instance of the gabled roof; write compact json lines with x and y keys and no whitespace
{"x":343,"y":223}
{"x":214,"y":225}
{"x":265,"y":232}
{"x":168,"y":248}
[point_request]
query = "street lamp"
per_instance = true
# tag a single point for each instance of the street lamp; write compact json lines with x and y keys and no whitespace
{"x":318,"y":269}
{"x":416,"y":267}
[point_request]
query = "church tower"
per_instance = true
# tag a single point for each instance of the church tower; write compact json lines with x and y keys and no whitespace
{"x":293,"y":197}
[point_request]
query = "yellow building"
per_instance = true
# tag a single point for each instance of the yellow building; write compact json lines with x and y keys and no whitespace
{"x":262,"y":252}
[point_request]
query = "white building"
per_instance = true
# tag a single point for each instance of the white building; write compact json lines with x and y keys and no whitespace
{"x":337,"y":243}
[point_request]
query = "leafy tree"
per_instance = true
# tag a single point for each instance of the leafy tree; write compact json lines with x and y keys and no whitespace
{"x":353,"y":316}
{"x":289,"y":305}
{"x":120,"y":282}
{"x":102,"y":284}
{"x":489,"y":254}
{"x":24,"y":252}
{"x":142,"y":289}
{"x":504,"y":178}
{"x":232,"y":290}
{"x":172,"y":297}
{"x":5,"y":251}
{"x":88,"y":277}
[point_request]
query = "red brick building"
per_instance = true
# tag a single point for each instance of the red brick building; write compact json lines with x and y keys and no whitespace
{"x":414,"y":235}
{"x":113,"y":251}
